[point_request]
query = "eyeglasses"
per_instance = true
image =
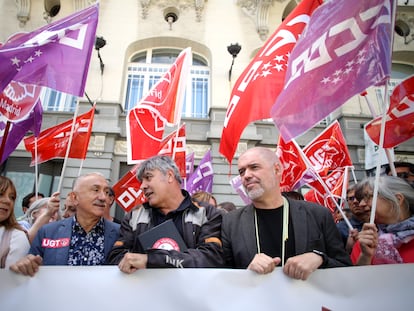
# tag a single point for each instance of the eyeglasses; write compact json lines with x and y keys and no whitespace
{"x":405,"y":175}
{"x":366,"y":197}
{"x":351,"y":198}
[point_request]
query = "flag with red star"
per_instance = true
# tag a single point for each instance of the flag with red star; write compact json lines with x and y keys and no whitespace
{"x":257,"y":88}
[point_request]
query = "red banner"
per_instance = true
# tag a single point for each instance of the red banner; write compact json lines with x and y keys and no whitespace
{"x":53,"y":142}
{"x":160,"y":107}
{"x":294,"y":167}
{"x":256,"y":90}
{"x":328,"y":150}
{"x":399,"y":122}
{"x":127,"y":190}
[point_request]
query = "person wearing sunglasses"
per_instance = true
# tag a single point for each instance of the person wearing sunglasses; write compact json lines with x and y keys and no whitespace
{"x":360,"y":215}
{"x":404,"y":170}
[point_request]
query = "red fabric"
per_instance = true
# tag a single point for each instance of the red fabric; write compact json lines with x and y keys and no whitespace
{"x":329,"y":150}
{"x":399,"y":125}
{"x":53,"y":142}
{"x":334,"y":182}
{"x":161,"y":106}
{"x":256,"y":89}
{"x":127,"y":189}
{"x":294,"y":166}
{"x":406,"y":251}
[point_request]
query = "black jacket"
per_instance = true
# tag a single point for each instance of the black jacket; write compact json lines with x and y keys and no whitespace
{"x":201,"y":226}
{"x":313,"y":227}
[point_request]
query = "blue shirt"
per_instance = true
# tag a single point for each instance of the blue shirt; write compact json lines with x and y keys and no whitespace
{"x":87,"y":248}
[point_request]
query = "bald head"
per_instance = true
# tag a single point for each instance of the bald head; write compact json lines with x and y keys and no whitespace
{"x":262,"y":153}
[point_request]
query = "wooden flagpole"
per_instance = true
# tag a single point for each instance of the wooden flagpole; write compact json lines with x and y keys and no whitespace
{"x":68,"y":146}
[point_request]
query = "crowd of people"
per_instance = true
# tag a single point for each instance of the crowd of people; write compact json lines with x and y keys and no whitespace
{"x":275,"y":229}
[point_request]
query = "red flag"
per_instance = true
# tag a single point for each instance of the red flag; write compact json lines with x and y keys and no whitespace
{"x":261,"y":82}
{"x":174,"y":145}
{"x":329,"y":150}
{"x":160,"y":107}
{"x":127,"y":190}
{"x":333,"y":181}
{"x":53,"y":142}
{"x":294,"y":167}
{"x":399,"y":122}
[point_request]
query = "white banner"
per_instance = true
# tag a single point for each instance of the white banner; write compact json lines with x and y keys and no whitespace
{"x":384,"y":287}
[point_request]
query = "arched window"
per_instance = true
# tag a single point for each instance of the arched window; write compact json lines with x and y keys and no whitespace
{"x":147,"y":67}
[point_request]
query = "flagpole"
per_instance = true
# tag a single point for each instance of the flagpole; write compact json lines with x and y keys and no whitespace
{"x":3,"y":142}
{"x":381,"y":144}
{"x":36,"y":167}
{"x":68,"y":146}
{"x":382,"y":131}
{"x":318,"y":177}
{"x":374,"y":115}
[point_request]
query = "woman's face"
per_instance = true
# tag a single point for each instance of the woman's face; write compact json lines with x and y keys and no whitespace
{"x":7,"y":199}
{"x":384,"y":213}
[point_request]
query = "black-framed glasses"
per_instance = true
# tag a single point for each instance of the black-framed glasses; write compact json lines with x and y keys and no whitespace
{"x":365,"y":196}
{"x":405,"y":175}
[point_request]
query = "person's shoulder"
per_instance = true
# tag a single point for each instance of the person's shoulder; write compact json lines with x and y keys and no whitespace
{"x":312,"y":207}
{"x":237,"y":213}
{"x":111,"y":225}
{"x":51,"y":226}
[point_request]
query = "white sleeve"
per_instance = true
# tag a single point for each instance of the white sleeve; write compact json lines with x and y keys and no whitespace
{"x":19,"y":247}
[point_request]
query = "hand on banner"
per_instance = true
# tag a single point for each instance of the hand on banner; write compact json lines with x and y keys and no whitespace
{"x":132,"y":262}
{"x":28,"y":265}
{"x":301,"y":266}
{"x":263,"y":264}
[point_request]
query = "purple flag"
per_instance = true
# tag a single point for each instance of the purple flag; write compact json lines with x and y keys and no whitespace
{"x":202,"y":178}
{"x":189,"y":164}
{"x":56,"y":55}
{"x":32,"y":122}
{"x":237,"y":185}
{"x":345,"y":49}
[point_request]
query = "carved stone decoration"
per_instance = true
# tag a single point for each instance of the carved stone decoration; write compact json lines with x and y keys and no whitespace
{"x":199,"y":7}
{"x":258,"y":10}
{"x":181,"y":5}
{"x":145,"y":5}
{"x":23,"y":11}
{"x":82,"y":4}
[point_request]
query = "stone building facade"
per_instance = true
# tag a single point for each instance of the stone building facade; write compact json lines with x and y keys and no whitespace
{"x":137,"y":33}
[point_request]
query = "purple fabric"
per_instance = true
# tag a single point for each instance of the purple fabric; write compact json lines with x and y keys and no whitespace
{"x":202,"y":177}
{"x":17,"y":130}
{"x":189,"y":164}
{"x":237,"y":185}
{"x":56,"y":55}
{"x":345,"y":49}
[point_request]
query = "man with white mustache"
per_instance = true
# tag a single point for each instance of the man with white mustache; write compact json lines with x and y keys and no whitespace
{"x":84,"y":239}
{"x":276,"y":231}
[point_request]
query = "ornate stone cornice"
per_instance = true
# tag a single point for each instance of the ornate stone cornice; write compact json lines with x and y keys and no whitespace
{"x":258,"y":10}
{"x":23,"y":11}
{"x":181,"y":5}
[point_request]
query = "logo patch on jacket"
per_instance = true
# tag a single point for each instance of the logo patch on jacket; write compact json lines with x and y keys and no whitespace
{"x":167,"y":244}
{"x":58,"y":243}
